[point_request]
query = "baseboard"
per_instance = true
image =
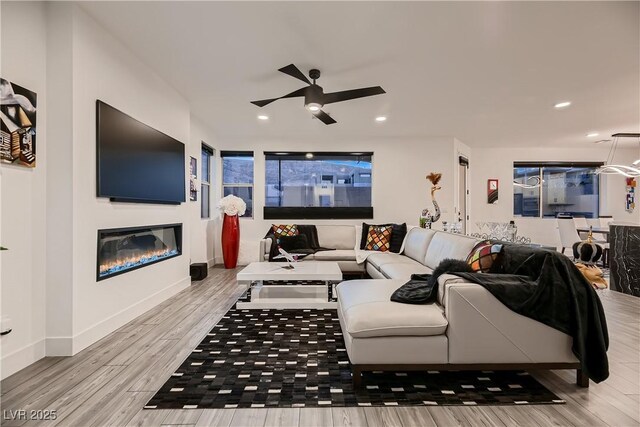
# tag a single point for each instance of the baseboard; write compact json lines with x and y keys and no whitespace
{"x":59,"y":346}
{"x":101,"y":329}
{"x":219,"y":260}
{"x":21,"y":358}
{"x":211,"y":262}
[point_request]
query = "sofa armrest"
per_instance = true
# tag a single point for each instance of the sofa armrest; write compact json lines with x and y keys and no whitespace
{"x":265,"y":247}
{"x":483,"y":330}
{"x":443,"y":281}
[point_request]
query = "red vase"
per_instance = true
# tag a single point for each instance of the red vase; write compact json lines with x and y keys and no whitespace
{"x":230,"y":240}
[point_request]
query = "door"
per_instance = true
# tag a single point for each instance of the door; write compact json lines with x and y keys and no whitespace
{"x":463,"y":192}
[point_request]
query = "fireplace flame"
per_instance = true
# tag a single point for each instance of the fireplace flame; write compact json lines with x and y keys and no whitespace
{"x":126,"y":263}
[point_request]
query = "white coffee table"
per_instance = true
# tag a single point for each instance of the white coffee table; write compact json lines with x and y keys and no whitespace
{"x":283,"y":296}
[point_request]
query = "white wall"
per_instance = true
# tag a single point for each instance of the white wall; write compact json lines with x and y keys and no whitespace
{"x":23,"y":193}
{"x":50,"y":214}
{"x":104,"y":69}
{"x":498,"y":163}
{"x":399,"y":188}
{"x":202,"y":230}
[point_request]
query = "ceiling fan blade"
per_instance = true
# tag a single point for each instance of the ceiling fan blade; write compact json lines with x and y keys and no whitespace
{"x":264,"y":102}
{"x":325,"y":118}
{"x":294,"y":94}
{"x":293,"y":71}
{"x":346,"y":95}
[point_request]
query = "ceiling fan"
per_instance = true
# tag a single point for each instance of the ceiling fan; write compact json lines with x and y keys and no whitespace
{"x":314,"y":96}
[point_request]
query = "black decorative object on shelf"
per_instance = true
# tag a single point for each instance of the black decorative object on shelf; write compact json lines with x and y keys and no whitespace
{"x":198,"y":271}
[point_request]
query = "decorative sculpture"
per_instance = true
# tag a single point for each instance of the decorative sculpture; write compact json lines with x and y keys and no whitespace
{"x":427,"y":218}
{"x":586,"y":254}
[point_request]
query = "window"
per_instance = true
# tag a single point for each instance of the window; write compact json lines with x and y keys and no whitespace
{"x":205,"y":186}
{"x":317,"y":185}
{"x":545,"y":190}
{"x":237,"y":177}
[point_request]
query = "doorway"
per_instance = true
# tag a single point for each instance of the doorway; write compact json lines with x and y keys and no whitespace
{"x":463,"y":192}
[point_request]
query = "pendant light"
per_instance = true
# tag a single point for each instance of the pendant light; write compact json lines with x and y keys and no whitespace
{"x":609,"y":168}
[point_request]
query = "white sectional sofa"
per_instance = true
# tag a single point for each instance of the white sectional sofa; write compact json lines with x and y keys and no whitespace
{"x":468,"y":328}
{"x":342,"y":238}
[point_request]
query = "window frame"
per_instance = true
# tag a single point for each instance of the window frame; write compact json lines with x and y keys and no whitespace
{"x":541,"y":192}
{"x":205,"y":185}
{"x":316,"y":212}
{"x":227,"y":153}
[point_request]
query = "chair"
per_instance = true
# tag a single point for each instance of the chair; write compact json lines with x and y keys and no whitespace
{"x":581,"y":222}
{"x":604,"y":221}
{"x":593,"y":222}
{"x":568,"y":233}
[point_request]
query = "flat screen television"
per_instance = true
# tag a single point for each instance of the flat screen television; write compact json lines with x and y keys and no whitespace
{"x":137,"y":163}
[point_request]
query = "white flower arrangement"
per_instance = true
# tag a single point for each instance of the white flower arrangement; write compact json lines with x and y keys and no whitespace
{"x":232,"y":205}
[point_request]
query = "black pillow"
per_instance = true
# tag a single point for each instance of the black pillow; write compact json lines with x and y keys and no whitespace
{"x":397,"y":237}
{"x":398,"y":233}
{"x":418,"y":290}
{"x":294,"y":243}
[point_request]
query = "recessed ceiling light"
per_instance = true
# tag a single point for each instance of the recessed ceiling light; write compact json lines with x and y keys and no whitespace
{"x":309,"y":155}
{"x":563,"y":104}
{"x":381,"y":118}
{"x":263,"y":117}
{"x":592,"y":134}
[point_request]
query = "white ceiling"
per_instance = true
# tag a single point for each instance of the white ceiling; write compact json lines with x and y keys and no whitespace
{"x":486,"y":73}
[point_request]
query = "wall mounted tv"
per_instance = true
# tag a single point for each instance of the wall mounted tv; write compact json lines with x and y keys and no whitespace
{"x":137,"y":163}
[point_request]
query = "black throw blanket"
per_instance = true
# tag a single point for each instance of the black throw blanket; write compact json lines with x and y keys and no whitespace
{"x":311,"y":233}
{"x":546,"y":286}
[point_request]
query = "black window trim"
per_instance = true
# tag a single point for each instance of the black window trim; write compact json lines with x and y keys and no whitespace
{"x":316,"y":212}
{"x":541,"y":165}
{"x":252,"y":184}
{"x":204,"y":148}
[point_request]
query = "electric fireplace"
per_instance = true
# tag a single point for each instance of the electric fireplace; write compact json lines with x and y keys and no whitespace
{"x":121,"y":250}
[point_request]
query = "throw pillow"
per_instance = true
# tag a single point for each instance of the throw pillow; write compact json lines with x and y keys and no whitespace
{"x":397,"y":235}
{"x":294,"y":243}
{"x":284,"y":230}
{"x":378,"y":238}
{"x":483,"y":255}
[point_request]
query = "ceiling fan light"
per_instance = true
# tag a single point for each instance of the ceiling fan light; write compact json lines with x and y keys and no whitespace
{"x":314,"y":107}
{"x":563,"y":104}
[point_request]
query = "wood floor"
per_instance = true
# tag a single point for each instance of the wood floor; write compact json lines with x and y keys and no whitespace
{"x":109,"y":382}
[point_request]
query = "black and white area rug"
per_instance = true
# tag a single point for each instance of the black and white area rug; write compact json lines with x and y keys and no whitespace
{"x":297,"y":358}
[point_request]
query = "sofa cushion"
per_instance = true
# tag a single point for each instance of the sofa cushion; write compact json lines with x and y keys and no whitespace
{"x":416,"y":243}
{"x":367,"y":311}
{"x":403,"y":271}
{"x":337,"y":255}
{"x":379,"y":259}
{"x":447,"y":245}
{"x":337,"y":236}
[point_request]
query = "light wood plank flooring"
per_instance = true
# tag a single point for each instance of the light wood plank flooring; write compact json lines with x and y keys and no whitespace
{"x":108,"y":383}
